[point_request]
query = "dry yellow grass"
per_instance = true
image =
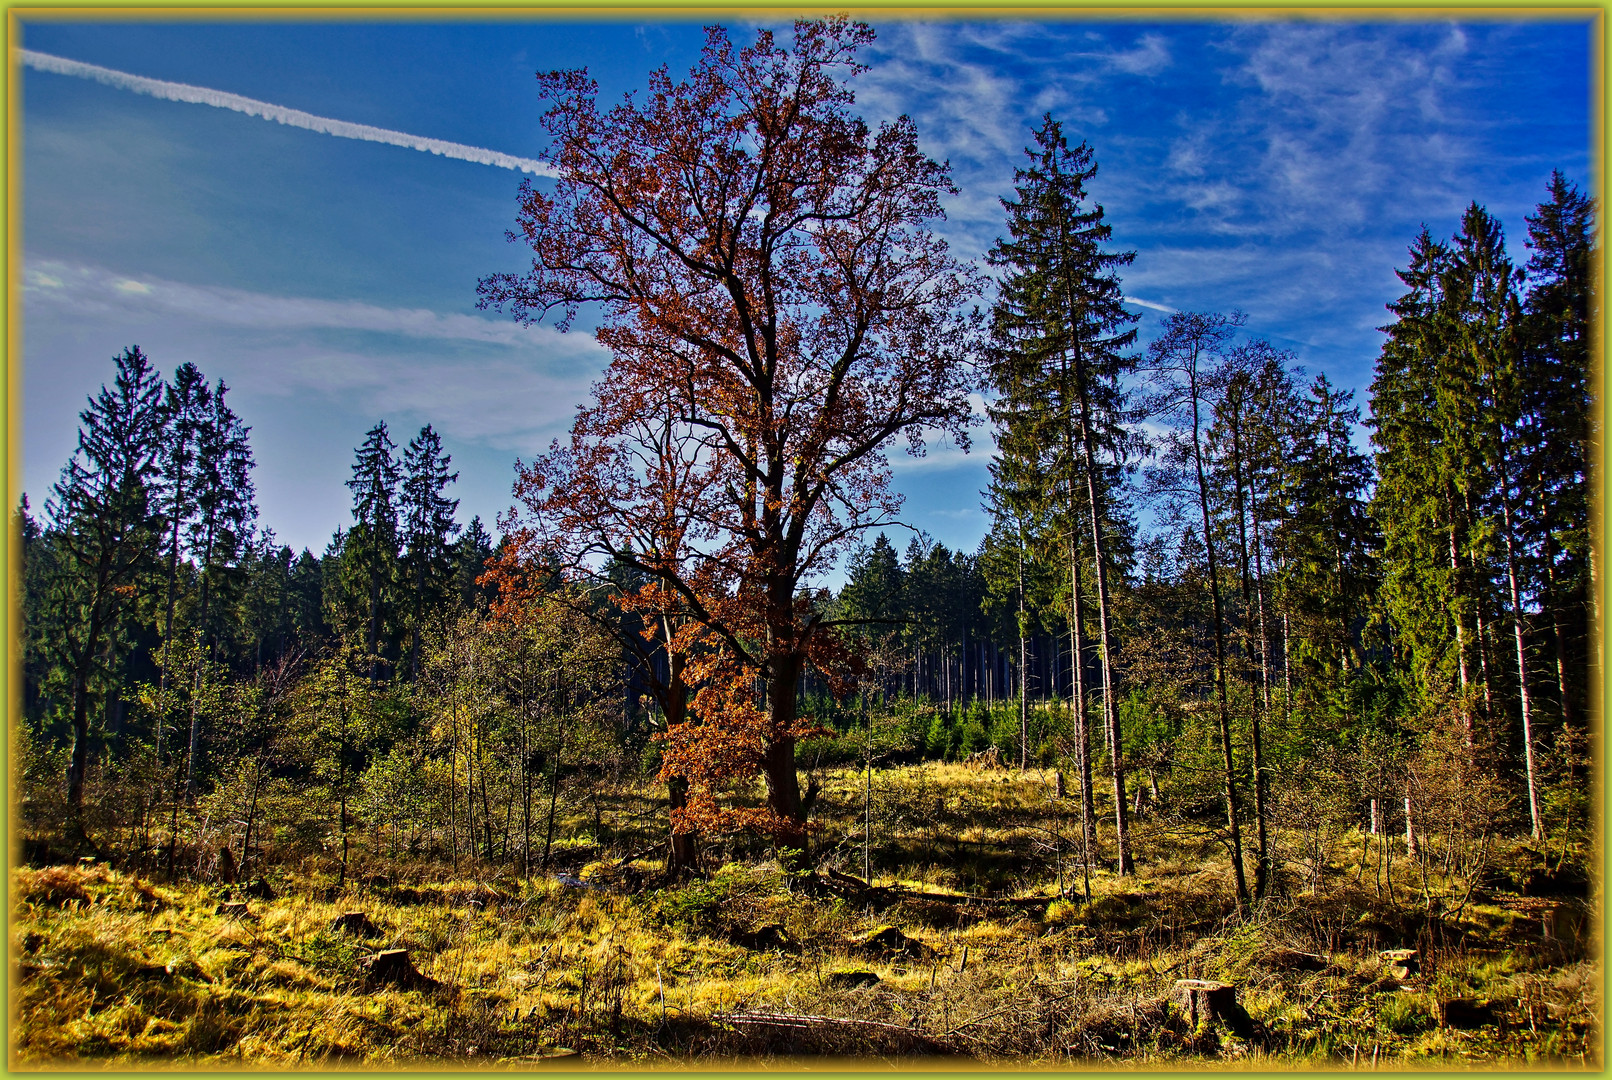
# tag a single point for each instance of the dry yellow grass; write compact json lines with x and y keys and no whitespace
{"x":122,"y":973}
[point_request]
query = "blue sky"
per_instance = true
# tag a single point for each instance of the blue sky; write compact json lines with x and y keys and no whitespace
{"x":1278,"y":167}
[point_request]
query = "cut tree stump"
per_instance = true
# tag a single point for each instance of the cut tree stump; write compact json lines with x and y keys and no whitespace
{"x":770,"y":936}
{"x":1402,"y":963}
{"x":391,"y":967}
{"x":851,"y":980}
{"x":1208,"y":1003}
{"x":1465,"y":1013}
{"x":356,"y":923}
{"x":233,"y":909}
{"x":1294,"y":960}
{"x":259,"y":890}
{"x":888,"y":941}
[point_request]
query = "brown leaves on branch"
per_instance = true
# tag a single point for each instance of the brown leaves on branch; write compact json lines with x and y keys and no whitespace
{"x":777,"y":310}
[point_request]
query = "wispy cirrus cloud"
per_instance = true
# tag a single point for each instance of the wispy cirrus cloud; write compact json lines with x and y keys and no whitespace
{"x":486,"y":379}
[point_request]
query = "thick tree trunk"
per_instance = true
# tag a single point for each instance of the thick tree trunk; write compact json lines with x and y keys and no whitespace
{"x":683,"y":854}
{"x":778,"y":762}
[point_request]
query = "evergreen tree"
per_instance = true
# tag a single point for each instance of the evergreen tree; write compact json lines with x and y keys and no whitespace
{"x":371,"y":546}
{"x":107,"y":529}
{"x":1485,"y":289}
{"x":428,"y":528}
{"x":1557,"y":440}
{"x":1328,"y":542}
{"x":186,"y":406}
{"x":873,"y":602}
{"x":1424,"y":592}
{"x":470,"y":554}
{"x":1060,"y":332}
{"x":220,"y":529}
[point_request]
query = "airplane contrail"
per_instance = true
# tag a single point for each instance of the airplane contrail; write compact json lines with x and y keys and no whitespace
{"x":198,"y":95}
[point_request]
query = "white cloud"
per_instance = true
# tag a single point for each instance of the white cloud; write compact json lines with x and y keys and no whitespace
{"x":485,"y":379}
{"x":91,"y":289}
{"x":324,"y":125}
{"x":1150,"y":56}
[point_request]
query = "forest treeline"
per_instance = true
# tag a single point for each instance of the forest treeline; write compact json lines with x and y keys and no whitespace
{"x":1198,"y":593}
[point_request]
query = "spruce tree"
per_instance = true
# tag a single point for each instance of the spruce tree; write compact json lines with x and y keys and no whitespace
{"x":428,"y":529}
{"x":220,"y":530}
{"x":1560,"y":304}
{"x":186,"y":405}
{"x":108,"y":529}
{"x":1060,"y":334}
{"x":371,"y":546}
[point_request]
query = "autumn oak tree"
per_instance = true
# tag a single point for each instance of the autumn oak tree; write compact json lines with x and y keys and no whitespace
{"x":763,"y":270}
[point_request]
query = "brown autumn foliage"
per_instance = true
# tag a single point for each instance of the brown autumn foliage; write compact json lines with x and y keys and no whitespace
{"x":777,"y":311}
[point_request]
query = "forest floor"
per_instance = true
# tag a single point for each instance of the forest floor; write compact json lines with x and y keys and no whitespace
{"x":959,"y":953}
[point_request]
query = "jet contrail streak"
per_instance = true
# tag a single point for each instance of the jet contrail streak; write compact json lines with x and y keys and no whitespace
{"x":198,"y":95}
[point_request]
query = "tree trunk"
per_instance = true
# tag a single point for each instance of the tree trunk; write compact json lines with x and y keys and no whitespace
{"x":778,"y":763}
{"x":78,"y":764}
{"x":1460,"y":629}
{"x":1523,"y":698}
{"x":683,"y":854}
{"x":167,"y":630}
{"x":1088,"y":811}
{"x":1232,"y":810}
{"x":1262,"y":864}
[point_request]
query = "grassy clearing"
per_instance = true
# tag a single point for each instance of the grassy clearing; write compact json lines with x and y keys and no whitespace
{"x":972,"y":950}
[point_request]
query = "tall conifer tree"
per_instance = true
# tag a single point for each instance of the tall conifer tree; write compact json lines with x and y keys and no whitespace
{"x":1060,"y":332}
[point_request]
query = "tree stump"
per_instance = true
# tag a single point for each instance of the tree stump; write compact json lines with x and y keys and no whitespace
{"x":852,"y":980}
{"x":1294,"y":960}
{"x":770,"y":936}
{"x":226,"y":865}
{"x":1402,"y":963}
{"x":1465,"y":1013}
{"x":1204,"y":1002}
{"x":391,"y":967}
{"x":356,"y":923}
{"x":233,"y":909}
{"x":888,"y":941}
{"x":1062,"y":791}
{"x":259,"y":890}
